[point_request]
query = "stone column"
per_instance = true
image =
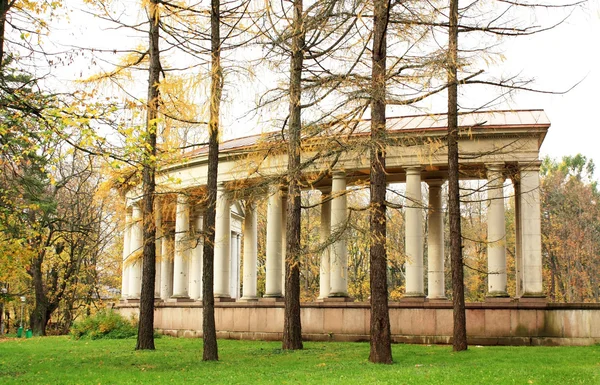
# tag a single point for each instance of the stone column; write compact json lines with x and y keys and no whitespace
{"x":196,"y":258}
{"x":166,"y":268}
{"x":222,"y":243}
{"x":182,"y":248}
{"x":250,"y":239}
{"x":135,"y":250}
{"x":496,"y":237}
{"x":273,"y":265}
{"x":234,"y":283}
{"x":531,"y":239}
{"x":414,"y":233}
{"x":158,"y":245}
{"x":324,"y":233}
{"x":435,"y":242}
{"x":125,"y":268}
{"x":518,"y":253}
{"x":339,"y":253}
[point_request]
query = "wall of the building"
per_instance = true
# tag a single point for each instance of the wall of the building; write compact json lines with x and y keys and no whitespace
{"x":505,"y":323}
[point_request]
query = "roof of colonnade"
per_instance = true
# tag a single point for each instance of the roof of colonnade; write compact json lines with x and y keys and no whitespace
{"x":505,"y":137}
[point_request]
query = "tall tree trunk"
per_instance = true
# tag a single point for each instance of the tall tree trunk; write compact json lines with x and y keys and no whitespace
{"x":459,"y":341}
{"x":381,"y":349}
{"x":4,"y":7}
{"x":209,"y":332}
{"x":145,"y":338}
{"x":292,"y":328}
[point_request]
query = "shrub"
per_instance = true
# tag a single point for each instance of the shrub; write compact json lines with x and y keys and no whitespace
{"x":104,"y":324}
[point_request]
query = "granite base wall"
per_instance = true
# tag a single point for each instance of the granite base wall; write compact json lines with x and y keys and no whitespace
{"x":488,"y":323}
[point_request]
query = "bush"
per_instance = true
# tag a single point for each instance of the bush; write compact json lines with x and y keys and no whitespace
{"x":104,"y":324}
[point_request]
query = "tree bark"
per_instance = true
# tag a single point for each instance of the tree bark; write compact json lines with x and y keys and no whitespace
{"x":459,"y":341}
{"x":209,"y":332}
{"x":292,"y":328}
{"x":381,"y":349}
{"x":4,"y":7}
{"x":145,"y":339}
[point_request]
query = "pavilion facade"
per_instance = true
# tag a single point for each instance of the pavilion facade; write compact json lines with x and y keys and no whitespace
{"x":494,"y":146}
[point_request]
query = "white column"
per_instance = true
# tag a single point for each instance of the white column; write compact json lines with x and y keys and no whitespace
{"x":158,"y":245}
{"x":236,"y":258}
{"x":414,"y":233}
{"x":518,"y":253}
{"x":195,"y":291}
{"x":182,"y":247}
{"x":284,"y":203}
{"x":339,"y":256}
{"x":250,"y":239}
{"x":166,"y":268}
{"x":531,"y":239}
{"x":273,"y":265}
{"x":324,"y":233}
{"x":135,"y":252}
{"x":125,"y":267}
{"x":435,"y":242}
{"x":222,"y":243}
{"x":496,"y":237}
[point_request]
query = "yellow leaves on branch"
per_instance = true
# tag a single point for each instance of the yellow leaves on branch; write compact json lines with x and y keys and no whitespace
{"x":123,"y":69}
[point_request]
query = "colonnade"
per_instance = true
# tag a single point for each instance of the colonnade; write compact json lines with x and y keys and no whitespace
{"x":179,"y":266}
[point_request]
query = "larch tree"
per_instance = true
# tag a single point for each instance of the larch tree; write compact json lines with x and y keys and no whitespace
{"x":459,"y":334}
{"x":209,"y":332}
{"x":292,"y":328}
{"x":317,"y":41}
{"x":145,"y":338}
{"x":380,"y":342}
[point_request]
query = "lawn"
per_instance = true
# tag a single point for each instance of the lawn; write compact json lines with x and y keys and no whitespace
{"x":60,"y":360}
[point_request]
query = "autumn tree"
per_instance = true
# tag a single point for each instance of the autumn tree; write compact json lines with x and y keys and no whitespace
{"x":570,"y":229}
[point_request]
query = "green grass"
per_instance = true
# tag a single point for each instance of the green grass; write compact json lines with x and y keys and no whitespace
{"x":60,"y":360}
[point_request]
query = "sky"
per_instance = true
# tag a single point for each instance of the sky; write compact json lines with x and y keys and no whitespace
{"x":567,"y":56}
{"x":564,"y":58}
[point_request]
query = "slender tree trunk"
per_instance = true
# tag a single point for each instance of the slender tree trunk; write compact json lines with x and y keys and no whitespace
{"x":209,"y":332}
{"x":4,"y":7}
{"x":145,"y":340}
{"x":459,"y":341}
{"x":381,"y":349}
{"x":292,"y":328}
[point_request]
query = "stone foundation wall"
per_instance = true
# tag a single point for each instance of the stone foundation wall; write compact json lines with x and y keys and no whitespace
{"x":489,"y":323}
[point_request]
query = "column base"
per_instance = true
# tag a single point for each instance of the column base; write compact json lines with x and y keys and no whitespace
{"x":338,"y":299}
{"x":271,"y":299}
{"x":224,"y":299}
{"x":249,"y":299}
{"x":336,"y":295}
{"x":408,"y":297}
{"x":437,"y":299}
{"x":132,"y":300}
{"x":180,"y":299}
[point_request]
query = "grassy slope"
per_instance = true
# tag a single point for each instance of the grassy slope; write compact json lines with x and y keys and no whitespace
{"x":59,"y":360}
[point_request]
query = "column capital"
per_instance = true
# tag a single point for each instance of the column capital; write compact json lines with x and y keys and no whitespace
{"x":530,"y":166}
{"x":182,"y":198}
{"x":413,"y":170}
{"x":136,"y":212}
{"x":221,"y":186}
{"x":325,"y":190}
{"x":435,"y":182}
{"x":338,"y":174}
{"x":496,"y":166}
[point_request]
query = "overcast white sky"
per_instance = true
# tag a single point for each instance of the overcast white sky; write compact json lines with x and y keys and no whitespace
{"x":557,"y":59}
